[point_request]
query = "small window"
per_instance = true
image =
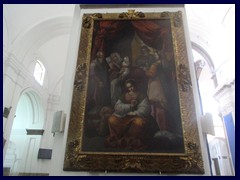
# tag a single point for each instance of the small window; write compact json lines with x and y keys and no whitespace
{"x":39,"y":72}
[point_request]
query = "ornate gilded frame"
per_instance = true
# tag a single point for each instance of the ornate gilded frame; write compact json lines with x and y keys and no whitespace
{"x":188,"y":162}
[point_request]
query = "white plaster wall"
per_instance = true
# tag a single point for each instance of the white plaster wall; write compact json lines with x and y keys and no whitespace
{"x":65,"y":102}
{"x":27,"y":85}
{"x":19,"y":86}
{"x":5,"y":36}
{"x":52,"y":52}
{"x":66,"y":94}
{"x":38,"y":32}
{"x":18,"y":80}
{"x":196,"y":98}
{"x":27,"y":38}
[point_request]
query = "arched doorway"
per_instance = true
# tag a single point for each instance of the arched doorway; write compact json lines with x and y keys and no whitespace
{"x":207,"y":84}
{"x":22,"y":150}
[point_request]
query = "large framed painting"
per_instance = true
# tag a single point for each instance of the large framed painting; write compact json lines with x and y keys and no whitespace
{"x":132,"y":106}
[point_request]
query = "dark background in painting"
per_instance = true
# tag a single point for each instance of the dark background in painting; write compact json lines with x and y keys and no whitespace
{"x":121,"y":41}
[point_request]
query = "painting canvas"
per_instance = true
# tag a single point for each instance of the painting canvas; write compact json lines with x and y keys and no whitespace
{"x":132,"y":106}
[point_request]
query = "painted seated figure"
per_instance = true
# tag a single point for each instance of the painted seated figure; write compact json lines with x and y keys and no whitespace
{"x":127,"y":125}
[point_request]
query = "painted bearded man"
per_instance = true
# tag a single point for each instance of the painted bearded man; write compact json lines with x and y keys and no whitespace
{"x":127,"y":123}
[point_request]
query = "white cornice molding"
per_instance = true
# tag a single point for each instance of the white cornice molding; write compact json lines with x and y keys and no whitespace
{"x":225,"y":97}
{"x":12,"y":62}
{"x":22,"y":76}
{"x":53,"y":99}
{"x":224,"y":88}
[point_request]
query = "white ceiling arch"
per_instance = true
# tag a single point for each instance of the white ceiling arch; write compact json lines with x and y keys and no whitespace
{"x":47,"y":39}
{"x":211,"y":26}
{"x":38,"y":34}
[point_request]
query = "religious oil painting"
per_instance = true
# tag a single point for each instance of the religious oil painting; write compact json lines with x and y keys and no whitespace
{"x":132,"y":106}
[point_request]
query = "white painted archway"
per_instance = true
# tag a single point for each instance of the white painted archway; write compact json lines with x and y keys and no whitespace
{"x":22,"y":149}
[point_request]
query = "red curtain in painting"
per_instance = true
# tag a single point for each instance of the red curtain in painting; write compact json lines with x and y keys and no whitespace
{"x":150,"y":32}
{"x":108,"y":29}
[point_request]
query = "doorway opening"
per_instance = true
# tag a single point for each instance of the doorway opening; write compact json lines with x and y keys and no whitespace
{"x":207,"y":84}
{"x":22,"y":150}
